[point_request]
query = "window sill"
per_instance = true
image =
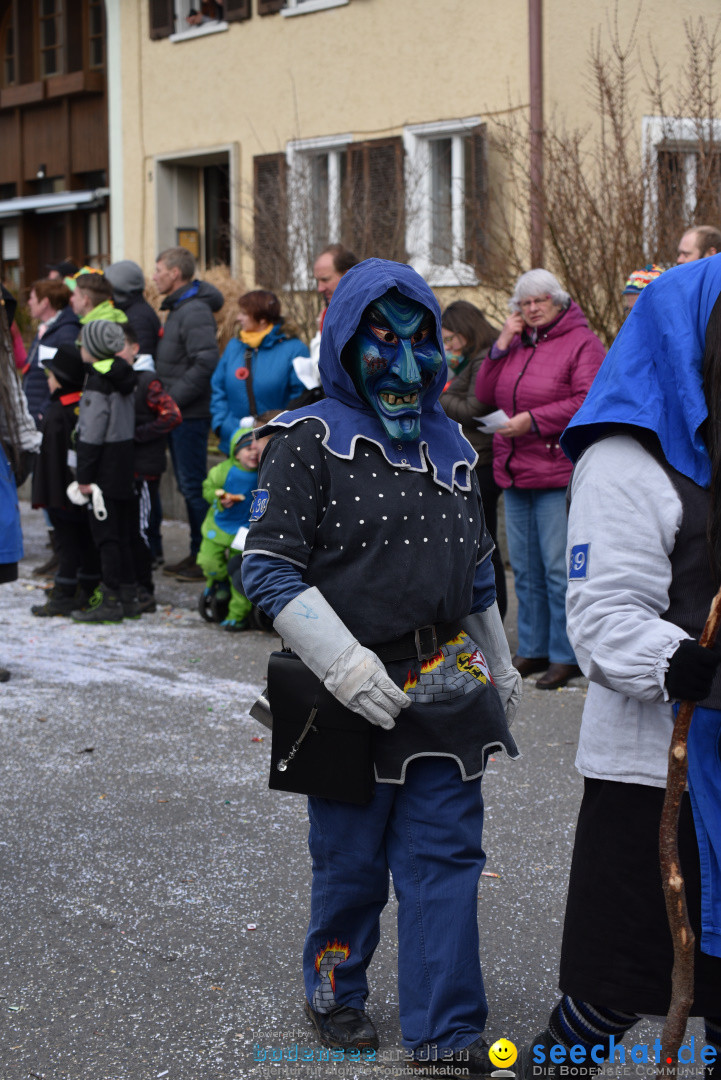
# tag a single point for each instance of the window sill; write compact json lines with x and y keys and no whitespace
{"x":440,"y":277}
{"x":305,"y":7}
{"x":199,"y":31}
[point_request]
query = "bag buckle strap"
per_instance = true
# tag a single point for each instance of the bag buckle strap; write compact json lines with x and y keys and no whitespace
{"x":426,"y":642}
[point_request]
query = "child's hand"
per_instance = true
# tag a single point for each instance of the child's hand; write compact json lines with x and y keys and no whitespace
{"x":226,"y":500}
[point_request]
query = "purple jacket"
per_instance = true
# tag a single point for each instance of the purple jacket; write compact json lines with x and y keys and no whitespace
{"x":550,"y":380}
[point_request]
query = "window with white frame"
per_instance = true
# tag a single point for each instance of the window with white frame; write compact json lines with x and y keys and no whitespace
{"x":304,"y":7}
{"x":193,"y":19}
{"x":316,"y":178}
{"x":683,"y":158}
{"x":445,"y":199}
{"x":325,"y":191}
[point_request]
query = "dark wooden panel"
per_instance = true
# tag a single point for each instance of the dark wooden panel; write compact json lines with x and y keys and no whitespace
{"x":24,"y":21}
{"x":44,"y":141}
{"x":270,"y":220}
{"x":75,"y":34}
{"x":476,"y":199}
{"x":162,"y":20}
{"x":88,"y":134}
{"x":372,"y":209}
{"x":10,"y":156}
{"x":27,"y":94}
{"x":269,"y":7}
{"x":237,"y":10}
{"x":78,"y":82}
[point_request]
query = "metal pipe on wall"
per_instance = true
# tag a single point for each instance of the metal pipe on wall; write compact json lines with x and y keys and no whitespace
{"x":535,"y":75}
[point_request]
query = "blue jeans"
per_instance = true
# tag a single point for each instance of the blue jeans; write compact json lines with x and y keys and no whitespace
{"x":189,"y":454}
{"x":536,"y":531}
{"x":427,"y":832}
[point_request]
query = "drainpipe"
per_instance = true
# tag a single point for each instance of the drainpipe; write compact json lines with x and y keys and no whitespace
{"x":535,"y":74}
{"x":115,"y":128}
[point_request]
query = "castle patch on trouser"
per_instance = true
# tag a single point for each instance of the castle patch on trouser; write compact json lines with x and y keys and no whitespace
{"x":326,"y":961}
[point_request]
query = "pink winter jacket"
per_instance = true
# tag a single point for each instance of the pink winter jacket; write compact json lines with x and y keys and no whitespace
{"x":550,"y":380}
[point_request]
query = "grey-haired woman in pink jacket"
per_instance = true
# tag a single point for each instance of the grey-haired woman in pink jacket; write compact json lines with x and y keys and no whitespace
{"x":539,"y":372}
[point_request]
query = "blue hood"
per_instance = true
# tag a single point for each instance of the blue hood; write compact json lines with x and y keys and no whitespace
{"x":652,"y":377}
{"x":348,"y":417}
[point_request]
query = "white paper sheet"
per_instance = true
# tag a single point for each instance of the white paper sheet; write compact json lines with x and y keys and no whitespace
{"x":492,"y":421}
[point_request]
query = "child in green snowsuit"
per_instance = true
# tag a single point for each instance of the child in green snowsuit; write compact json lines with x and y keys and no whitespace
{"x":228,"y":488}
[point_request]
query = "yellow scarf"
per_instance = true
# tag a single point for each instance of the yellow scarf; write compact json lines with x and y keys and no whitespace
{"x":253,"y":338}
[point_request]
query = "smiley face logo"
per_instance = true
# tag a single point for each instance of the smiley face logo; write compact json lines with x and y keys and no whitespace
{"x":503,"y":1053}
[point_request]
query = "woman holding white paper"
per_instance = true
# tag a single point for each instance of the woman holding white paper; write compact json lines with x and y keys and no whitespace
{"x":539,"y":372}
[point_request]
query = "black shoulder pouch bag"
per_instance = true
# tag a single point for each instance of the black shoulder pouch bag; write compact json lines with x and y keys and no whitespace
{"x":319,"y":747}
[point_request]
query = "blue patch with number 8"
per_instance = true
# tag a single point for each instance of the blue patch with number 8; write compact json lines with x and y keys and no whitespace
{"x":259,"y":505}
{"x":578,"y":562}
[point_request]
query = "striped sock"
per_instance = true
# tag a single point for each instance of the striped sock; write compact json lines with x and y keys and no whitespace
{"x":573,"y":1022}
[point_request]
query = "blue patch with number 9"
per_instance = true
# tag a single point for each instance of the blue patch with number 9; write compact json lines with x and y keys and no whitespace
{"x":258,"y":507}
{"x":578,"y":562}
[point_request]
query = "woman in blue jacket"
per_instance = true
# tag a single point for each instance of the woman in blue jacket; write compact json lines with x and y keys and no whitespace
{"x":261,"y":370}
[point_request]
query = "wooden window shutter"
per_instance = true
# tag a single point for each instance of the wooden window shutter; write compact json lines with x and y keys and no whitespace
{"x":270,"y":220}
{"x":269,"y":7}
{"x":74,"y":30}
{"x":162,"y":18}
{"x":236,"y":10}
{"x":373,"y":209}
{"x":476,"y":198}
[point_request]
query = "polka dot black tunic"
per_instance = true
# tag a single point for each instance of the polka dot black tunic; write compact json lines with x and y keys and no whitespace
{"x":390,"y":549}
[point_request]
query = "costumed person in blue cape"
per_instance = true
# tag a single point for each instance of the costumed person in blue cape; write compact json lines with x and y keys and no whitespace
{"x":368,"y":548}
{"x":644,"y":562}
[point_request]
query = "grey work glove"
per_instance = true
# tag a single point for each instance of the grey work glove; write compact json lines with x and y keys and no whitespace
{"x":353,"y":674}
{"x":486,"y":629}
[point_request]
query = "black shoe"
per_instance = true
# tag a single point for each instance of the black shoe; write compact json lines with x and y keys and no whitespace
{"x":177,"y":568}
{"x":529,"y":665}
{"x":103,"y":607}
{"x":146,"y":601}
{"x":344,"y":1028}
{"x":473,"y":1060}
{"x":558,"y":675}
{"x":61,"y":600}
{"x":128,"y":595}
{"x":191,"y":574}
{"x":4,"y":674}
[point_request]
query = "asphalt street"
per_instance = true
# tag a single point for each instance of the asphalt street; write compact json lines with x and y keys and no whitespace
{"x":154,"y":892}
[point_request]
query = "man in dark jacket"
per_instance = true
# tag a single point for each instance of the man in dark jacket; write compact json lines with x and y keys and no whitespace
{"x":186,"y":358}
{"x":128,"y":282}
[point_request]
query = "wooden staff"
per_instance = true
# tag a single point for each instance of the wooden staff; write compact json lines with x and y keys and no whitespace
{"x":674,"y":888}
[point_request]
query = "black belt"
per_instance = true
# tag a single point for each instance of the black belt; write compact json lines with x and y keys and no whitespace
{"x":420,"y":644}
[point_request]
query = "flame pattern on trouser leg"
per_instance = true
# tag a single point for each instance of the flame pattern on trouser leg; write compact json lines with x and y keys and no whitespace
{"x":326,"y":962}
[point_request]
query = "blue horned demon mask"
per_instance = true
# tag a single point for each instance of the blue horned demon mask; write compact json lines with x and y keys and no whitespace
{"x":382,"y":369}
{"x":393,"y":359}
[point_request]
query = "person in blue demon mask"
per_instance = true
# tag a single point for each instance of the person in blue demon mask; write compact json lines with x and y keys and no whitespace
{"x":368,"y":548}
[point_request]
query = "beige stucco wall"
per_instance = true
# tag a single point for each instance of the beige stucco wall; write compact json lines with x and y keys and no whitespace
{"x":366,"y":69}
